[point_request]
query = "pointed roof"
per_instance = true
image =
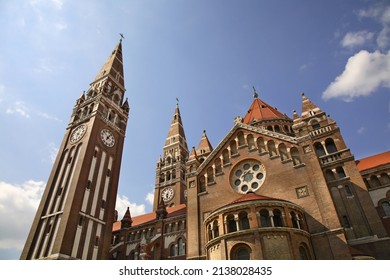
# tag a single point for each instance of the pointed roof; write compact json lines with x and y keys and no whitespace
{"x":259,"y":110}
{"x":176,"y":130}
{"x":193,"y":154}
{"x":204,"y":146}
{"x":113,"y":67}
{"x":126,"y":221}
{"x":308,"y":106}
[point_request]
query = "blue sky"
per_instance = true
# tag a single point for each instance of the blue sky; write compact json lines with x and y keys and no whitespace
{"x":209,"y":54}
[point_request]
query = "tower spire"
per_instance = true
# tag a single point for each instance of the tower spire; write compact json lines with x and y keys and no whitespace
{"x":110,"y":78}
{"x":170,"y":173}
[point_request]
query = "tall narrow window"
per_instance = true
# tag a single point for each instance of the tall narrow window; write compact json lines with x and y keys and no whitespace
{"x":278,"y":221}
{"x":386,"y":208}
{"x":232,"y":226}
{"x":330,"y":146}
{"x":348,"y":191}
{"x":180,"y":247}
{"x":265,"y":218}
{"x":340,"y":172}
{"x":271,"y":148}
{"x":244,"y":221}
{"x":346,"y":222}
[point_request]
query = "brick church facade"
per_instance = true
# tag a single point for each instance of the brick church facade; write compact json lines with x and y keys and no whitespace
{"x":274,"y":187}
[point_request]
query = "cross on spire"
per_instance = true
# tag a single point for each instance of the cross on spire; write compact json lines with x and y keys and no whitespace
{"x":255,"y":95}
{"x":122,"y":37}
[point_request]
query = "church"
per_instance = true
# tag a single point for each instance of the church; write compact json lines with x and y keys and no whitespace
{"x":273,"y":188}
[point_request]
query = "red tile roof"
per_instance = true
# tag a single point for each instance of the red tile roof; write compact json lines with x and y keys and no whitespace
{"x":260,"y":110}
{"x":173,"y":211}
{"x":373,"y":161}
{"x":250,"y":197}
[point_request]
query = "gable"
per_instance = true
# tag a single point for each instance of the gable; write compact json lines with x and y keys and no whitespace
{"x":247,"y":130}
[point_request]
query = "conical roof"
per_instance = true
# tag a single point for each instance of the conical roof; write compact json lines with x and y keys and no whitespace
{"x":204,"y":146}
{"x":259,"y":110}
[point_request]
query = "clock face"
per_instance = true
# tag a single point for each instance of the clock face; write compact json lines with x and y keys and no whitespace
{"x":247,"y":176}
{"x":78,"y":133}
{"x":167,"y":194}
{"x":107,"y":137}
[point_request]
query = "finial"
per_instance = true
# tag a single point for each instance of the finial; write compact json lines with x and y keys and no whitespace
{"x":122,"y":37}
{"x":255,"y":95}
{"x":177,"y":102}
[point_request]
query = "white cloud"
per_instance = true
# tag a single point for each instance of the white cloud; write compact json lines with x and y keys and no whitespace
{"x":20,"y":108}
{"x":364,"y":73}
{"x":49,"y":117}
{"x":53,"y":151}
{"x":354,"y":39}
{"x":382,"y":14}
{"x":122,"y":202}
{"x":361,"y":130}
{"x":383,"y":39}
{"x":150,"y":198}
{"x":18,"y":204}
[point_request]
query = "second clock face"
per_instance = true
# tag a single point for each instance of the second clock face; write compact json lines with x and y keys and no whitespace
{"x":167,"y":194}
{"x":78,"y":133}
{"x":107,"y":137}
{"x":247,"y":176}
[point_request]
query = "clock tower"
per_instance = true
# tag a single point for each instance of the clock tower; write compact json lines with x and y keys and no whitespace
{"x":75,"y":216}
{"x":170,"y":173}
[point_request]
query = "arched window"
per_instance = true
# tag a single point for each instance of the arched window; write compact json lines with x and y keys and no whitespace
{"x":385,"y":179}
{"x":244,"y":221}
{"x":374,"y":181}
{"x":330,"y":146}
{"x":329,"y":175}
{"x":340,"y":172}
{"x":265,"y":218}
{"x":231,"y":223}
{"x":180,"y":246}
{"x":241,"y":252}
{"x":210,"y":175}
{"x":319,"y":149}
{"x":218,"y":166}
{"x":202,"y":184}
{"x":283,"y":151}
{"x":225,"y":156}
{"x":295,"y":220}
{"x":215,"y":229}
{"x":209,"y":232}
{"x":386,"y":208}
{"x":314,"y":124}
{"x":271,"y":148}
{"x":241,"y":139}
{"x":295,"y":156}
{"x":304,"y":252}
{"x":251,"y":141}
{"x":277,"y":128}
{"x":348,"y":191}
{"x":278,"y":221}
{"x":269,"y":128}
{"x":260,"y":145}
{"x":233,"y":147}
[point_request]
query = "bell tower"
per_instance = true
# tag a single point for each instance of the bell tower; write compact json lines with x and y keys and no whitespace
{"x":75,"y":216}
{"x":170,"y":172}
